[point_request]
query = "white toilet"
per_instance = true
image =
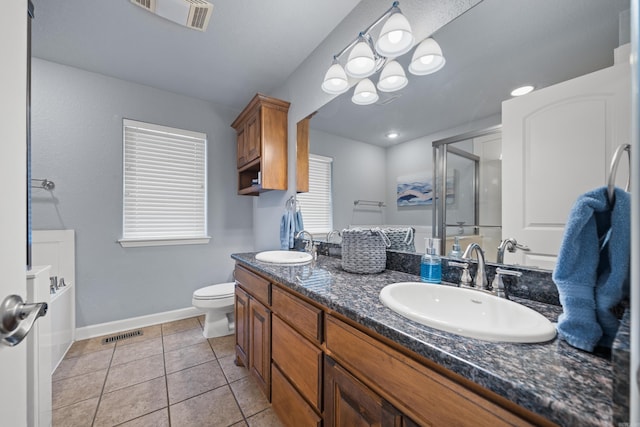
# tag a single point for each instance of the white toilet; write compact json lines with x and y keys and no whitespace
{"x":217,"y":301}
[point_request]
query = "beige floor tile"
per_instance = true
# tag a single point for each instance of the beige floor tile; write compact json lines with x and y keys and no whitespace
{"x":89,"y":362}
{"x":183,"y":339}
{"x":141,"y":350}
{"x":79,"y":348}
{"x":194,"y":381}
{"x":187,"y":357}
{"x":77,"y":415}
{"x":180,"y":325}
{"x":201,"y":320}
{"x":231,"y":371}
{"x":76,"y":389}
{"x":135,"y":372}
{"x":155,"y":419}
{"x":266,"y":418}
{"x":240,"y":424}
{"x":148,"y":332}
{"x":223,"y":346}
{"x":249,"y":396}
{"x":132,"y":402}
{"x":214,"y":408}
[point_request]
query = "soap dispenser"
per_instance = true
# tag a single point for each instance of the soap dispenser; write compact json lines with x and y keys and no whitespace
{"x":455,"y":252}
{"x":430,"y":264}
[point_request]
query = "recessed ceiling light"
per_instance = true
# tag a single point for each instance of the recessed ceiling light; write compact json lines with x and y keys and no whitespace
{"x":522,"y":90}
{"x":393,"y":135}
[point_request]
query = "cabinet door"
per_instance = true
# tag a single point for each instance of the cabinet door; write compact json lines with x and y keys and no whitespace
{"x":242,"y":326}
{"x":242,"y":149}
{"x":260,"y":345}
{"x":349,"y":403}
{"x":252,"y":137}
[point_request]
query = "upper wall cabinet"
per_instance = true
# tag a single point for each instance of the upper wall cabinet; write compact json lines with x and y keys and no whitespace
{"x":262,"y":145}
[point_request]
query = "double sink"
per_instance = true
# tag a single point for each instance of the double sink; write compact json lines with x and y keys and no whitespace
{"x":460,"y":311}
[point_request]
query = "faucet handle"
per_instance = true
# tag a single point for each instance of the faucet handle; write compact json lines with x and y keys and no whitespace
{"x":465,"y":278}
{"x":498,"y":285}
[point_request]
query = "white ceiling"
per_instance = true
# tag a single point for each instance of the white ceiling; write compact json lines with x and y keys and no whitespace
{"x":250,"y":45}
{"x":492,"y":48}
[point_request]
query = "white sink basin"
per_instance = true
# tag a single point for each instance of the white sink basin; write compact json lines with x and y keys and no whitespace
{"x":284,"y":257}
{"x":467,"y":312}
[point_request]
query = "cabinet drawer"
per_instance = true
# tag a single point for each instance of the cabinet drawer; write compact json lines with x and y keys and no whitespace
{"x":255,"y":285}
{"x":292,"y":410}
{"x":303,"y":316}
{"x":423,"y":394}
{"x":298,"y":359}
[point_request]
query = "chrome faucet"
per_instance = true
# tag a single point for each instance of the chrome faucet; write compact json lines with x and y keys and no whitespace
{"x":309,"y":246}
{"x":511,"y":245}
{"x":499,"y":289}
{"x":480,"y":281}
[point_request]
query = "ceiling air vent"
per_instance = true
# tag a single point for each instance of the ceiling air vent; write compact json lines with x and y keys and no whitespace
{"x":190,"y":13}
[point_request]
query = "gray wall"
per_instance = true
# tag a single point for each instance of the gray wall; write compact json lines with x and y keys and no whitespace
{"x":77,"y":143}
{"x":416,"y":156}
{"x":358,"y":172}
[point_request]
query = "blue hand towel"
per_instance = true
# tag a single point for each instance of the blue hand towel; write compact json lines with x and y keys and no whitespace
{"x":299,"y":222}
{"x":592,"y":272}
{"x":285,"y":231}
{"x":292,"y":228}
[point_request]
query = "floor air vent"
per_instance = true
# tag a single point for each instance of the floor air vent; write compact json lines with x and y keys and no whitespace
{"x":121,"y":337}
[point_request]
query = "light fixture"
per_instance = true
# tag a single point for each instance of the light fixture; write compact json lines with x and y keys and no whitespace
{"x":395,"y":37}
{"x":522,"y":90}
{"x":392,"y":77}
{"x":361,"y":62}
{"x":427,"y":58}
{"x":364,"y":59}
{"x":392,"y":135}
{"x":335,"y":80}
{"x":365,"y":93}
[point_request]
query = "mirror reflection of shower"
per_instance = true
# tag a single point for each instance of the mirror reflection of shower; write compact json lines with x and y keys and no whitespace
{"x":467,"y":171}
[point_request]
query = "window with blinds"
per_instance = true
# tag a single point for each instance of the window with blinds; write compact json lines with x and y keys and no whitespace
{"x":316,"y":205}
{"x":164,"y":185}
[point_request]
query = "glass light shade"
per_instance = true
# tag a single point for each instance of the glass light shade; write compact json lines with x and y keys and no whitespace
{"x":335,"y":80}
{"x":365,"y":93}
{"x":392,"y":77}
{"x":427,"y":58}
{"x":361,"y":62}
{"x":395,"y":37}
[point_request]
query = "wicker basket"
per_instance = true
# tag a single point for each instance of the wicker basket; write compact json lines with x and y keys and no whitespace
{"x":364,"y":251}
{"x":401,"y":238}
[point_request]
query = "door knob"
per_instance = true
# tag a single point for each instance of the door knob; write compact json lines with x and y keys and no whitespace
{"x":17,"y":318}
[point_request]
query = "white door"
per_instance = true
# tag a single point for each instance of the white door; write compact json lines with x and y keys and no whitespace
{"x":13,"y":72}
{"x":557,"y":144}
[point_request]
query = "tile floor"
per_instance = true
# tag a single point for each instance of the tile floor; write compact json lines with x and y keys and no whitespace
{"x":169,"y":376}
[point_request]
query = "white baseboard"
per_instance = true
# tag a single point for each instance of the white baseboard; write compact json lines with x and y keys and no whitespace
{"x":116,"y":326}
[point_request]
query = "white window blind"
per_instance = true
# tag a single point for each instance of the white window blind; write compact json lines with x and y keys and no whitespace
{"x":316,"y":205}
{"x":165,"y":185}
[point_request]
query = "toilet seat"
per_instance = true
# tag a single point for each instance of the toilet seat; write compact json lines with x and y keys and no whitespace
{"x":219,"y":291}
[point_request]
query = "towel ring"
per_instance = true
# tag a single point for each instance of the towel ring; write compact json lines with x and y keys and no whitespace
{"x":614,"y":169}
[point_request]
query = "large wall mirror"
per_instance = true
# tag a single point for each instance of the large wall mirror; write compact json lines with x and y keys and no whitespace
{"x":491,"y":49}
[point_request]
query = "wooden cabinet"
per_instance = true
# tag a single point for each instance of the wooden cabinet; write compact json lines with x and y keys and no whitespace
{"x":319,"y":368}
{"x":352,"y":404}
{"x":253,"y":326}
{"x":262,"y":143}
{"x":419,"y":392}
{"x":260,"y":345}
{"x":296,"y":353}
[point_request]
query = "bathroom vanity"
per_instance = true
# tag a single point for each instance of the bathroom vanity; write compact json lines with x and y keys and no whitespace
{"x":327,"y":352}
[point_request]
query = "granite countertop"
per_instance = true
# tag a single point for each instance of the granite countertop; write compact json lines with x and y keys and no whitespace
{"x":565,"y":385}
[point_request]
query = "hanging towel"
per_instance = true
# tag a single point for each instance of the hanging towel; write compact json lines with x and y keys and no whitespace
{"x":292,"y":228}
{"x":285,"y":230}
{"x":299,"y":223}
{"x":592,"y":272}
